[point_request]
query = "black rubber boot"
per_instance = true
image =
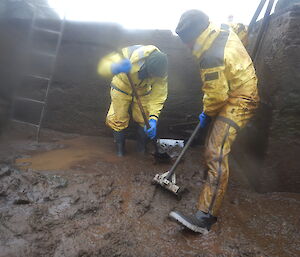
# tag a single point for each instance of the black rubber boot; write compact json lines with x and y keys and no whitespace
{"x":141,"y":140}
{"x":200,"y":222}
{"x":119,"y":137}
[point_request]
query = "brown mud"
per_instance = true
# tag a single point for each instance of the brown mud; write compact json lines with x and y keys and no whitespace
{"x":71,"y":196}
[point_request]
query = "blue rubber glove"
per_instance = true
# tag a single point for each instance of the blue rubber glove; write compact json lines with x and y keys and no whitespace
{"x":122,"y":66}
{"x":204,"y":120}
{"x":151,"y":132}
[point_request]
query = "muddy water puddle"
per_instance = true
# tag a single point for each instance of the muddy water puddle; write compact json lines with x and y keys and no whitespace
{"x":75,"y":153}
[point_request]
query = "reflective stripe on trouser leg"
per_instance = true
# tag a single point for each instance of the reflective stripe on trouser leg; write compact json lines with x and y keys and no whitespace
{"x":136,"y":112}
{"x":118,"y":117}
{"x":218,"y":147}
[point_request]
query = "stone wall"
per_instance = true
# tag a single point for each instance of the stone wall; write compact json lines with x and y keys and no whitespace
{"x":271,"y":140}
{"x":278,"y":68}
{"x":285,"y":4}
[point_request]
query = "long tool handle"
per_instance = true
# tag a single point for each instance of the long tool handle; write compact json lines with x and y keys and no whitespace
{"x":142,"y":110}
{"x":140,"y":105}
{"x":136,"y":95}
{"x":172,"y":170}
{"x":138,"y":101}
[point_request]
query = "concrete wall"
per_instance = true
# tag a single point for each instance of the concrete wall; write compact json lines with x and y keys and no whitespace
{"x":79,"y":98}
{"x":12,"y":55}
{"x":24,"y":9}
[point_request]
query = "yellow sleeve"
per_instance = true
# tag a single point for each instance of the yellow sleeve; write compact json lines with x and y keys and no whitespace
{"x":104,"y":66}
{"x":157,"y":98}
{"x":215,"y":89}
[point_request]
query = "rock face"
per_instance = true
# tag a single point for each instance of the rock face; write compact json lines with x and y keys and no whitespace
{"x":79,"y":98}
{"x":278,"y":70}
{"x":285,"y":4}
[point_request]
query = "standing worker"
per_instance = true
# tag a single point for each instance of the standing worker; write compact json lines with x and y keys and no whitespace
{"x":242,"y":32}
{"x":147,"y":68}
{"x":230,"y":98}
{"x":240,"y":29}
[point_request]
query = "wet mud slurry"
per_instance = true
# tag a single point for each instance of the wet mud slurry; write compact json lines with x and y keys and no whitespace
{"x":74,"y":197}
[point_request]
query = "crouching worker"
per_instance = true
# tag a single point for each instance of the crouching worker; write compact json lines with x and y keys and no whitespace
{"x":147,"y":68}
{"x":230,"y":98}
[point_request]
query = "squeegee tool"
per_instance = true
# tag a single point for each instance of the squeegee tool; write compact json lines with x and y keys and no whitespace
{"x":167,"y":180}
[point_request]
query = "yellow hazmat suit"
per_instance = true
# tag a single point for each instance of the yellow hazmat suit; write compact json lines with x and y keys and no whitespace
{"x":152,"y":91}
{"x":230,"y":97}
{"x":242,"y":32}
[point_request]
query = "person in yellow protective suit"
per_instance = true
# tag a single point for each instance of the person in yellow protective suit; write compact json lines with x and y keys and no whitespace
{"x":230,"y":98}
{"x":242,"y":32}
{"x":147,"y":68}
{"x":240,"y":29}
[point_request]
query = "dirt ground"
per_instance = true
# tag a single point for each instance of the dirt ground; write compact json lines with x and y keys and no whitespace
{"x":71,"y":196}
